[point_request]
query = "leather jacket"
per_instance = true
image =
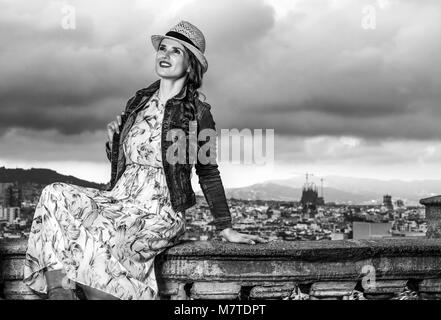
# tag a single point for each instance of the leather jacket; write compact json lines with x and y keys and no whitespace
{"x":178,"y":176}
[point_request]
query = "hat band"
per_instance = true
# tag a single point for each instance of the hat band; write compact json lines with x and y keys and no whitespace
{"x":180,"y":36}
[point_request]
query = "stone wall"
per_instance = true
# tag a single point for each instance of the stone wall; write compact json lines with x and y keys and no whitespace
{"x":347,"y":269}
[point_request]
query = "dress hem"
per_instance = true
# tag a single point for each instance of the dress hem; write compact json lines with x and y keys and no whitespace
{"x":155,"y":293}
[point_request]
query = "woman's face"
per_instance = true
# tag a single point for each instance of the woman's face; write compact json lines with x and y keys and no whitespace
{"x":171,"y":60}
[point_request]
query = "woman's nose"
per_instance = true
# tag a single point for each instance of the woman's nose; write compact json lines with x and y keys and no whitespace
{"x":167,"y":54}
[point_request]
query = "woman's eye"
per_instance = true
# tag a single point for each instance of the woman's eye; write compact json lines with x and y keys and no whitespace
{"x":174,"y":50}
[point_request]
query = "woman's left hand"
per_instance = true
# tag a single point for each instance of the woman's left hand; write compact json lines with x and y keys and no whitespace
{"x":233,"y":236}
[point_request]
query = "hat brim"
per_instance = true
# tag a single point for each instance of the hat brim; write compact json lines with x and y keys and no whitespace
{"x":156,"y":40}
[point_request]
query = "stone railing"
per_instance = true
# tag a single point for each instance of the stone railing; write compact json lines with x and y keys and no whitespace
{"x":347,"y":269}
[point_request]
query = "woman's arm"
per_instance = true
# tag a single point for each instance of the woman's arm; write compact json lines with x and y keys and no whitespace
{"x":209,"y":176}
{"x":213,"y":189}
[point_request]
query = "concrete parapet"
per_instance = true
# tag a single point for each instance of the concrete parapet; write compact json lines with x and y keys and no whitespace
{"x":276,"y":270}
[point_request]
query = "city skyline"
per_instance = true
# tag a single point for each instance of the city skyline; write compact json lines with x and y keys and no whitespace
{"x":331,"y":189}
{"x":342,"y":99}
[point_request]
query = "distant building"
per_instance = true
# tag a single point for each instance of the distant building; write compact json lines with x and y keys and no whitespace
{"x":338,"y":236}
{"x":320,"y":201}
{"x":387,"y":202}
{"x":309,"y":198}
{"x":4,"y":193}
{"x":399,"y":203}
{"x":275,"y":214}
{"x":10,"y":195}
{"x":409,"y":234}
{"x":9,"y":214}
{"x":370,"y":230}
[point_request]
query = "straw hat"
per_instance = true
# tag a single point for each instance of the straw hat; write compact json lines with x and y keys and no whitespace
{"x":189,"y":36}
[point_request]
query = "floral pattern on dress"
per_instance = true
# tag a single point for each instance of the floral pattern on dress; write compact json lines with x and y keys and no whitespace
{"x":108,"y":240}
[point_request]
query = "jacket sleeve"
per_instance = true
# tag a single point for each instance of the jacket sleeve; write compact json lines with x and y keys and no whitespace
{"x":108,"y":151}
{"x":209,"y":177}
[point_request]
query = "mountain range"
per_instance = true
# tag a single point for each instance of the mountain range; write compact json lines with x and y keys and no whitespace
{"x":341,"y":190}
{"x":335,"y":188}
{"x":42,"y":177}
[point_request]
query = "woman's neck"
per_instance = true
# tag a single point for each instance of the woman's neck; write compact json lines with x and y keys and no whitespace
{"x":168,"y":88}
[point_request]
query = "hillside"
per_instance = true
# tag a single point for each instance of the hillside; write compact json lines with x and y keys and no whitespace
{"x":42,"y":177}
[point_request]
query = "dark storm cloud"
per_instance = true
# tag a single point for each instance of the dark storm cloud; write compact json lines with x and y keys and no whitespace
{"x":64,"y":120}
{"x":49,"y":145}
{"x":334,"y":78}
{"x":231,"y":26}
{"x":68,"y":80}
{"x":307,"y":124}
{"x":312,"y":71}
{"x":343,"y":108}
{"x":63,"y":79}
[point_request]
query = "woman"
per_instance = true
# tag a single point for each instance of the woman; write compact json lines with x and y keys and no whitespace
{"x":105,"y":241}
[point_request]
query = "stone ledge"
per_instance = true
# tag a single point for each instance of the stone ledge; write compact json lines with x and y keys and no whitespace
{"x":274,"y":270}
{"x":305,"y":250}
{"x":431,"y":201}
{"x":308,"y":250}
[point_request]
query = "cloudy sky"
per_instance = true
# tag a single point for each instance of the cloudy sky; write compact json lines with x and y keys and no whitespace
{"x":350,"y":88}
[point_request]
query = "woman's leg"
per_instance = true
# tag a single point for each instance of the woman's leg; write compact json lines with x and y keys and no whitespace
{"x":53,"y":246}
{"x":59,"y":240}
{"x":94,"y":294}
{"x":59,"y":286}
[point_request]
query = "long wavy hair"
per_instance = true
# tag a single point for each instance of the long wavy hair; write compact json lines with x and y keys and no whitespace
{"x":193,"y":83}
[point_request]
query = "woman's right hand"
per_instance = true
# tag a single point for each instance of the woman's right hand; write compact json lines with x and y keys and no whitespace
{"x":113,"y":127}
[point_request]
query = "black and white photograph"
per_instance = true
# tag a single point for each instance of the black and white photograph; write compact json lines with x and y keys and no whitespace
{"x":227,"y":154}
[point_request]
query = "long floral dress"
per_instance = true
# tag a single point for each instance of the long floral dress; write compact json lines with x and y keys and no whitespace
{"x":108,"y":239}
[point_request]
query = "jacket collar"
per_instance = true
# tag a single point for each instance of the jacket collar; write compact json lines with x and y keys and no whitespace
{"x":150,"y":90}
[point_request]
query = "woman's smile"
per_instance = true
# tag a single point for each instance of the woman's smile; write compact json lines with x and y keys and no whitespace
{"x":164,"y":64}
